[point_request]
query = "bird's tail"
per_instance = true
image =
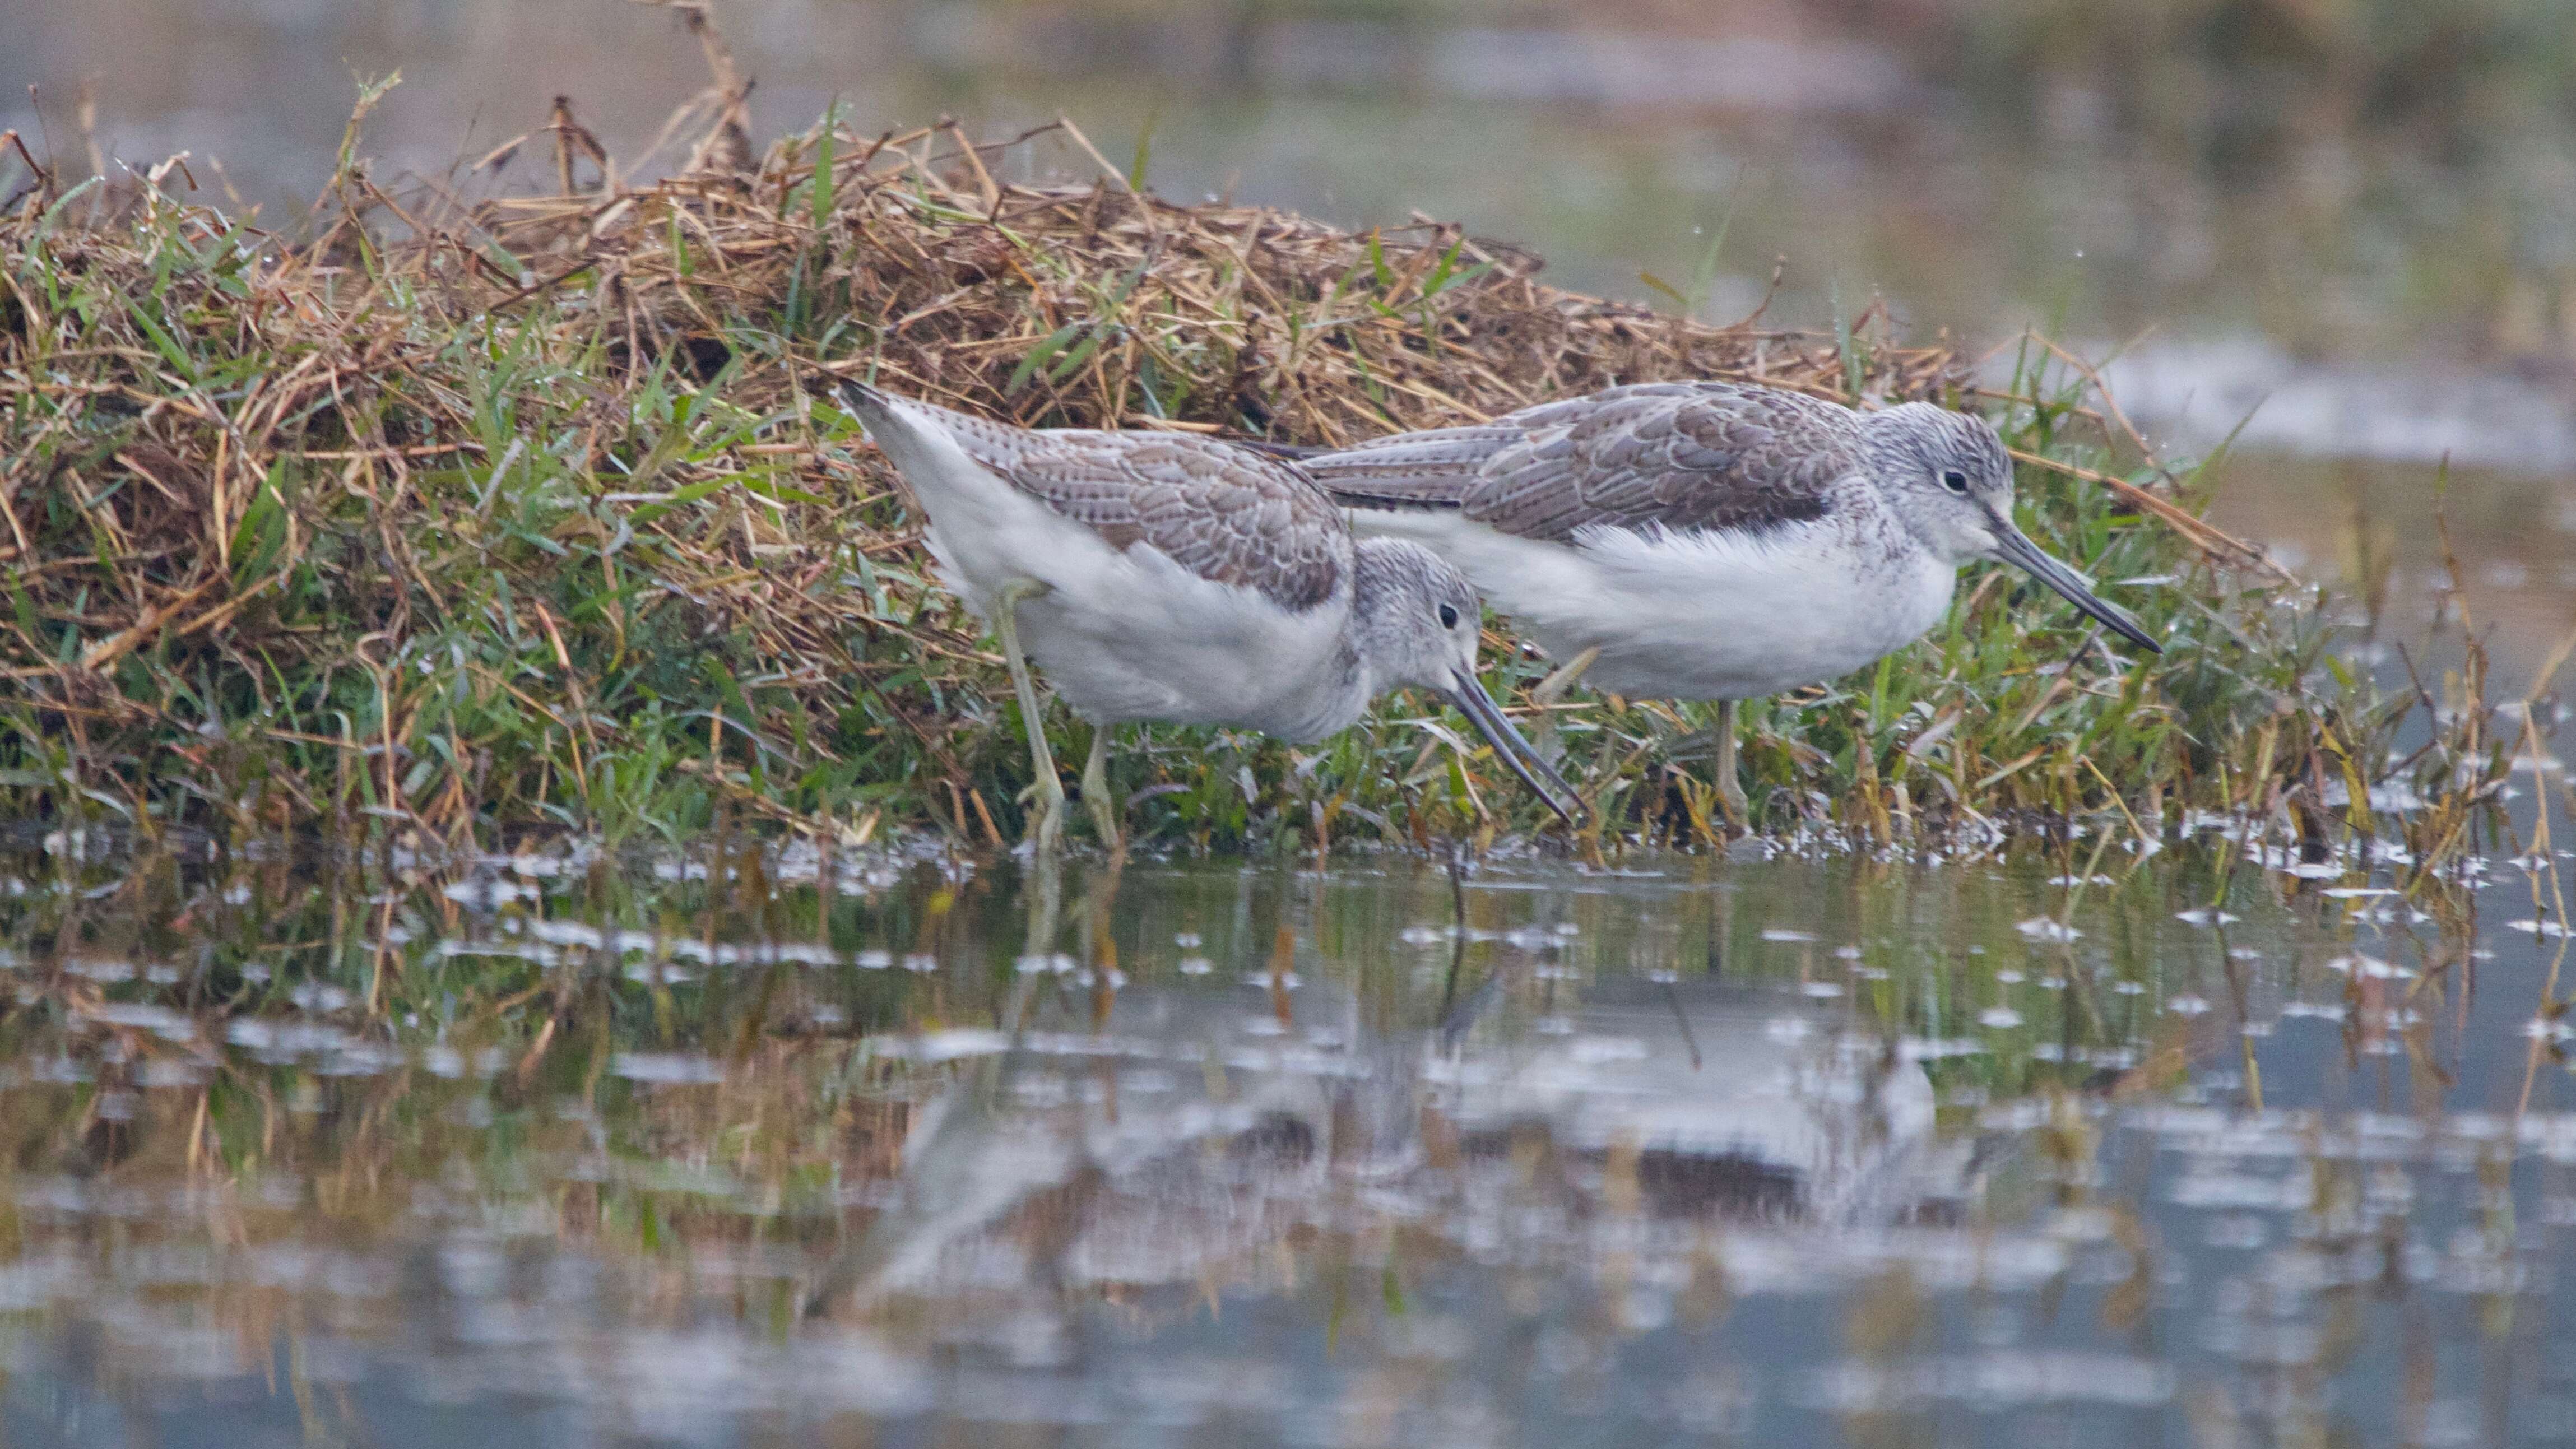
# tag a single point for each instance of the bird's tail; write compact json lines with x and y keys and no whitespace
{"x":908,"y":431}
{"x":1350,"y":489}
{"x":871,"y":405}
{"x":1291,"y":451}
{"x":1374,"y":500}
{"x":895,"y":422}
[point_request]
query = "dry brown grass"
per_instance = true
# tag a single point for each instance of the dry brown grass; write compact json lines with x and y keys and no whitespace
{"x":514,"y":507}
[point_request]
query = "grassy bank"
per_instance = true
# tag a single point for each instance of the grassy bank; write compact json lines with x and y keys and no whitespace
{"x":512,"y":512}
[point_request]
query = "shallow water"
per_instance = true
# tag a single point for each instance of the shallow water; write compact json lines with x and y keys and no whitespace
{"x":2218,"y":1146}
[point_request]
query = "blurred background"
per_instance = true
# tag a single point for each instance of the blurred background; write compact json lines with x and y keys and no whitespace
{"x":2347,"y":227}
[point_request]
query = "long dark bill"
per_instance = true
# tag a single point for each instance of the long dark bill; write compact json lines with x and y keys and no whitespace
{"x":1481,"y":711}
{"x":2016,"y":547}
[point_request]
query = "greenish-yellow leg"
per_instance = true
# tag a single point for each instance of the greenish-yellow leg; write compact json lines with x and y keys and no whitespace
{"x":1730,"y":790}
{"x":1006,"y":625}
{"x":1095,"y":789}
{"x":1044,"y":886}
{"x":1548,"y":691}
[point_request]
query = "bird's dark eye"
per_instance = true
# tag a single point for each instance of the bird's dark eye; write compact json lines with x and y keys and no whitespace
{"x":1954,"y":480}
{"x":1448,"y":616}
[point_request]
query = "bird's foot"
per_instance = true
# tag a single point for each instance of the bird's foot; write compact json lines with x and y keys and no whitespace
{"x":1046,"y":831}
{"x":1104,"y":815}
{"x":1096,"y":794}
{"x":1730,"y":785}
{"x":1730,"y":799}
{"x":1044,"y":799}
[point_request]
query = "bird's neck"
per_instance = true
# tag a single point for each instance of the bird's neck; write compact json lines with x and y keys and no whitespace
{"x":1894,"y":507}
{"x":1327,"y":701}
{"x":1378,"y":589}
{"x":1377,"y":574}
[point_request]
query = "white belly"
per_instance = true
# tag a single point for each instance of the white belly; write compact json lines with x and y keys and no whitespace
{"x":1130,"y":635}
{"x":1127,"y":634}
{"x":1698,"y":615}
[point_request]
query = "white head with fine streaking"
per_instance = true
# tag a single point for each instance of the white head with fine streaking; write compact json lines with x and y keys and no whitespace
{"x":1949,"y":478}
{"x":1415,"y":620}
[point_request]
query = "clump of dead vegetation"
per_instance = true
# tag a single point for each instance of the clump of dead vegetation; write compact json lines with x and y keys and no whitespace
{"x":461,"y":512}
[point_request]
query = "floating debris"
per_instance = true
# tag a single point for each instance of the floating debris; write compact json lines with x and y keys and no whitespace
{"x":666,"y":1068}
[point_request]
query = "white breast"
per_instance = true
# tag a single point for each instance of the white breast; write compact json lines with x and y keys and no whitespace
{"x":1127,"y":634}
{"x":1701,"y":614}
{"x":1130,"y":635}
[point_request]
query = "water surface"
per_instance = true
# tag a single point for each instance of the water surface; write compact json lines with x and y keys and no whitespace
{"x":2221,"y":1145}
{"x":2224,"y":1145}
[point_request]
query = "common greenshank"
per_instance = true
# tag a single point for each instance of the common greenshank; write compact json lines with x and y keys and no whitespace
{"x":1707,"y":540}
{"x":1164,"y":576}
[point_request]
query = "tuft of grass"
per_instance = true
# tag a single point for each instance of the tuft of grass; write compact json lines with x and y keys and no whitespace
{"x":522,"y":512}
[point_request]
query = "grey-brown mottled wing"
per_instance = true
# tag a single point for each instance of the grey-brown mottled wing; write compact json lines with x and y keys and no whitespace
{"x":1680,"y":455}
{"x":1226,"y":514}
